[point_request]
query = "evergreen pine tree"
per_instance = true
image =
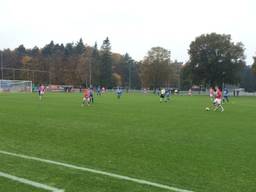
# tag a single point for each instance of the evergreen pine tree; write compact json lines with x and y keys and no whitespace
{"x":106,"y":64}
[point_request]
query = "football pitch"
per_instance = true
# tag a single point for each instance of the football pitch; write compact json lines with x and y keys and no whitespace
{"x":134,"y":144}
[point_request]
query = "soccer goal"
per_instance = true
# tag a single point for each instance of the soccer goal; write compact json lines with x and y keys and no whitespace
{"x":15,"y":86}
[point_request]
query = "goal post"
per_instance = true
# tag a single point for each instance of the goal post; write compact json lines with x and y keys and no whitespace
{"x":15,"y":86}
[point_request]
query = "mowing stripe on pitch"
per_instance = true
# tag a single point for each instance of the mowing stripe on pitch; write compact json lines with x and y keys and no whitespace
{"x":31,"y":183}
{"x":117,"y":176}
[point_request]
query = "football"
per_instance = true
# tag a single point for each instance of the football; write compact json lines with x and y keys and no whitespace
{"x":207,"y":109}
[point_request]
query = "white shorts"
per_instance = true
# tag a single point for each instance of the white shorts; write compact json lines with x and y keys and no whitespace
{"x":217,"y":101}
{"x":86,"y":99}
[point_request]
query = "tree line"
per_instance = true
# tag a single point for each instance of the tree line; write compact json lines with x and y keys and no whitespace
{"x":79,"y":64}
{"x":213,"y":60}
{"x":71,"y":64}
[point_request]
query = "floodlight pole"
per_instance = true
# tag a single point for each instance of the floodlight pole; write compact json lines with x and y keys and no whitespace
{"x":130,"y":71}
{"x":90,"y":74}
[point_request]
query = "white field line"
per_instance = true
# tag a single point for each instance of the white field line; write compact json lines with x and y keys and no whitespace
{"x":121,"y":177}
{"x":31,"y":183}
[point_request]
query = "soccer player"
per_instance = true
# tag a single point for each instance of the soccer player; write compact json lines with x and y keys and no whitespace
{"x":91,"y":95}
{"x":118,"y":92}
{"x":226,"y":95}
{"x":190,"y":92}
{"x":86,"y":98}
{"x":211,"y":93}
{"x":218,"y":99}
{"x":98,"y":90}
{"x":41,"y":91}
{"x":103,"y":90}
{"x":168,"y":94}
{"x":162,"y":94}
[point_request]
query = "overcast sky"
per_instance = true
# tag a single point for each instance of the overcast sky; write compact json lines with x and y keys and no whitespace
{"x":133,"y":26}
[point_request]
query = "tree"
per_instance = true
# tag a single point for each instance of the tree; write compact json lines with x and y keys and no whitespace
{"x":106,"y":64}
{"x":21,"y":51}
{"x":95,"y":66}
{"x":79,"y":62}
{"x":117,"y":70}
{"x":215,"y":59}
{"x":174,"y":74}
{"x":36,"y":64}
{"x":254,"y":66}
{"x":47,"y":63}
{"x":10,"y":59}
{"x":135,"y":76}
{"x":128,"y":71}
{"x":155,"y":68}
{"x":248,"y":79}
{"x":80,"y":47}
{"x":117,"y":80}
{"x":123,"y":65}
{"x":185,"y":77}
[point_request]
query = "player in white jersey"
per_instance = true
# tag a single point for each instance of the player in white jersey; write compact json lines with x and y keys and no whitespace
{"x":162,"y":94}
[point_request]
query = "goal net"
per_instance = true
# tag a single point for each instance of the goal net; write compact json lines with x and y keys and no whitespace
{"x":15,"y":86}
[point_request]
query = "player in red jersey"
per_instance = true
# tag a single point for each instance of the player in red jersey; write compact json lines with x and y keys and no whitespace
{"x":86,"y":98}
{"x":218,"y":99}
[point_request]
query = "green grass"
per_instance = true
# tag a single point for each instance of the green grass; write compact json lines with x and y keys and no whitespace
{"x":177,"y":143}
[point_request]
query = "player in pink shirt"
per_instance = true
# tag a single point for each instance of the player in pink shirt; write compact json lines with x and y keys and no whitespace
{"x":41,"y":91}
{"x":211,"y":93}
